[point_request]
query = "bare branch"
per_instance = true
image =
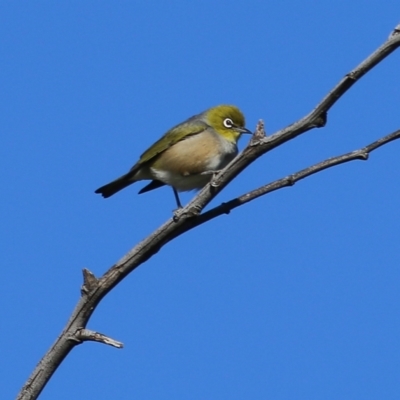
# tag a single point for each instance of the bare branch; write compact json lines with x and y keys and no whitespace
{"x":316,"y":118}
{"x":361,"y":154}
{"x":82,"y":335}
{"x":94,"y":289}
{"x":90,"y":282}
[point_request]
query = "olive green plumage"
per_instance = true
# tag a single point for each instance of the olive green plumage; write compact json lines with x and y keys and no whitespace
{"x":188,"y":154}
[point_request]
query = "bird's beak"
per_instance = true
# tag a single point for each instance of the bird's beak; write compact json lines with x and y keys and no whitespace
{"x":243,"y":130}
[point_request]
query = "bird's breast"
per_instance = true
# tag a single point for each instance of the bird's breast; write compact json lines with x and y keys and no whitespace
{"x":185,"y":164}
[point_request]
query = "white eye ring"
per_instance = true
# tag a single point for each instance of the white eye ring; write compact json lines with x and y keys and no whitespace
{"x":228,"y":123}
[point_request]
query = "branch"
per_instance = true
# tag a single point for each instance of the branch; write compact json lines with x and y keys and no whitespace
{"x":83,"y":335}
{"x":94,"y":289}
{"x":315,"y":119}
{"x":290,"y":180}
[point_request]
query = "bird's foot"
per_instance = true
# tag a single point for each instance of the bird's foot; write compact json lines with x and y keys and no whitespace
{"x":213,"y":174}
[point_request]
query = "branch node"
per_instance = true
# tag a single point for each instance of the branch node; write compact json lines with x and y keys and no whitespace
{"x":321,"y":120}
{"x":352,"y":75}
{"x":291,"y":180}
{"x":395,"y":32}
{"x":83,"y":335}
{"x":259,"y":134}
{"x":74,"y":338}
{"x":90,"y":282}
{"x":184,"y":213}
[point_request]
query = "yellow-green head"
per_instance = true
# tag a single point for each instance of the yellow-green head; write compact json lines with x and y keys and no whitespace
{"x":227,"y":120}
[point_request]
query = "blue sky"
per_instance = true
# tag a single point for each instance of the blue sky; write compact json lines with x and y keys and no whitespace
{"x":294,"y":296}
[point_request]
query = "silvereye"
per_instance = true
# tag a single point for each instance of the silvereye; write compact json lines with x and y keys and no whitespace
{"x":188,"y":155}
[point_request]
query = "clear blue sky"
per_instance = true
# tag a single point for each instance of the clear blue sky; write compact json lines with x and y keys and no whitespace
{"x":294,"y":296}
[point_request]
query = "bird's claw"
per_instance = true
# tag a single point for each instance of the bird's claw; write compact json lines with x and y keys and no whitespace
{"x":213,"y":174}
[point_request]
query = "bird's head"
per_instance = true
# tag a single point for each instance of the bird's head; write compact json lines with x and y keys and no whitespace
{"x":227,"y":120}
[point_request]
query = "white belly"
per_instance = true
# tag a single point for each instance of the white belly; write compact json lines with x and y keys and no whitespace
{"x":180,"y":182}
{"x":180,"y":178}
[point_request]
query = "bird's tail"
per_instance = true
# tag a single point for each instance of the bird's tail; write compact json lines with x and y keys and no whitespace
{"x":115,"y":186}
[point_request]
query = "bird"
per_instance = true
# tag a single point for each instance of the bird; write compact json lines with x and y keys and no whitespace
{"x":188,"y":155}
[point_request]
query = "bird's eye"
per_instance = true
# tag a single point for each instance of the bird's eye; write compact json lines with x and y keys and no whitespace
{"x":228,"y":123}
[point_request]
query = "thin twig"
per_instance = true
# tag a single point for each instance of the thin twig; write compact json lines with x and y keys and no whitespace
{"x":82,"y":335}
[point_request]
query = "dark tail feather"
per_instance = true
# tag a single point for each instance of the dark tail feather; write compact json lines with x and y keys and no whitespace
{"x":115,"y":186}
{"x":151,"y":186}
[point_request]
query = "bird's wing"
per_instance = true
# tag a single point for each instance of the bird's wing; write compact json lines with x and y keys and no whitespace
{"x":174,"y":135}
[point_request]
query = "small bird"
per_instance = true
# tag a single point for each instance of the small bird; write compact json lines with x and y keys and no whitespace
{"x":188,"y":155}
